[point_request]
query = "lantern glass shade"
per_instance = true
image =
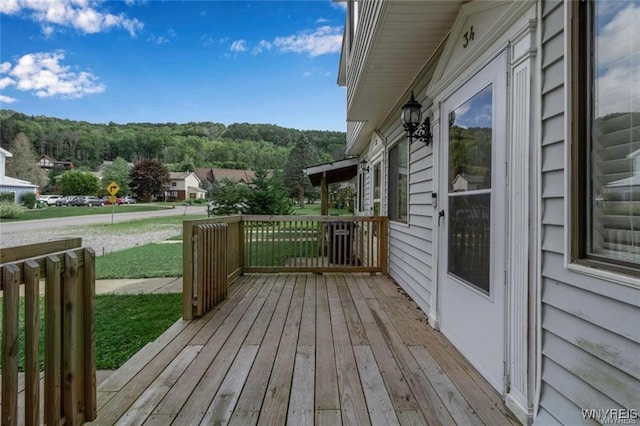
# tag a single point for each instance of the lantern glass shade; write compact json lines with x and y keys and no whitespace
{"x":411,"y":114}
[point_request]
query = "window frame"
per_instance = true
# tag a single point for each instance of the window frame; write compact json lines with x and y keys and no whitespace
{"x":393,"y":207}
{"x":582,"y":98}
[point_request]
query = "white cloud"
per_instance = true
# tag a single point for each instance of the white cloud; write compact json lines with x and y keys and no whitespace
{"x":238,"y":46}
{"x":618,"y":74}
{"x":339,"y":5}
{"x":78,"y":14}
{"x":9,"y":7}
{"x":43,"y":74}
{"x":323,"y":41}
{"x":6,"y":100}
{"x":322,"y":21}
{"x":5,"y":67}
{"x":6,"y":82}
{"x":261,"y":47}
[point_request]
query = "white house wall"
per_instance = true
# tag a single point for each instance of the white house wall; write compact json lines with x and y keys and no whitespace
{"x":590,"y":328}
{"x":410,"y":244}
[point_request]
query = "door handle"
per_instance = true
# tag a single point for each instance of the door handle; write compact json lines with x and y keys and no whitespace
{"x":440,"y":215}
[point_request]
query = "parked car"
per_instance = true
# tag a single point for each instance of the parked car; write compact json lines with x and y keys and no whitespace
{"x":129,"y":200}
{"x":87,"y":200}
{"x":49,"y":199}
{"x":65,"y":201}
{"x":107,"y":201}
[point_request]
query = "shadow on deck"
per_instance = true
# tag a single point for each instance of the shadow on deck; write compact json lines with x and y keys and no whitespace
{"x":302,"y":349}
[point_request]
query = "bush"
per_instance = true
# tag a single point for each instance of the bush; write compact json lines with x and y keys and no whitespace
{"x":200,"y":201}
{"x":28,"y":200}
{"x":8,"y":196}
{"x":9,"y":210}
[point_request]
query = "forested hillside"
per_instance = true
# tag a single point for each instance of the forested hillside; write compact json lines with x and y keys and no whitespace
{"x":205,"y":144}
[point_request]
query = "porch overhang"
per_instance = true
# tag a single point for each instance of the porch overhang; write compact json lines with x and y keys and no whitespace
{"x":337,"y":171}
{"x":403,"y":37}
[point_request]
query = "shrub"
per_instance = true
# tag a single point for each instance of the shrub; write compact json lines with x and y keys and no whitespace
{"x":200,"y":201}
{"x":10,"y":210}
{"x":28,"y":200}
{"x":8,"y":196}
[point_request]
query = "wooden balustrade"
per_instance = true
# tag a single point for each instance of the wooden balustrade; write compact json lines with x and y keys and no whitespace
{"x":68,"y":274}
{"x":275,"y":244}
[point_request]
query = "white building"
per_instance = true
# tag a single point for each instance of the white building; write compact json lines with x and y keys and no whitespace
{"x":13,"y":185}
{"x":535,"y":282}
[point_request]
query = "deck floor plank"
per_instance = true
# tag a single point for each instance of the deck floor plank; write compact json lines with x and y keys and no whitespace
{"x":195,"y":408}
{"x":303,"y":349}
{"x":276,"y":400}
{"x":381,"y":409}
{"x":432,"y":407}
{"x":255,"y":387}
{"x":222,"y":406}
{"x":352,"y":401}
{"x":223,"y":325}
{"x":327,"y":396}
{"x":401,"y":395}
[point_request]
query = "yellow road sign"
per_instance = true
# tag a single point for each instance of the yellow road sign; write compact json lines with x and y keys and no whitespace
{"x":113,"y":188}
{"x":112,"y":199}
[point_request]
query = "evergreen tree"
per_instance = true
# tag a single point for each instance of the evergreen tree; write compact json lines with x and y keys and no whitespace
{"x":268,"y":195}
{"x":23,"y":165}
{"x":302,"y":154}
{"x":229,"y":197}
{"x":148,"y":179}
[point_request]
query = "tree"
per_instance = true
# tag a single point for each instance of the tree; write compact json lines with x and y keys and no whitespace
{"x":75,"y":182}
{"x":268,"y":195}
{"x":118,"y":172}
{"x":148,"y":179}
{"x":302,"y":155}
{"x":23,"y":165}
{"x":229,"y":197}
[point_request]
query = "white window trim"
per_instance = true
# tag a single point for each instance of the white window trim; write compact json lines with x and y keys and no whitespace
{"x":589,"y":271}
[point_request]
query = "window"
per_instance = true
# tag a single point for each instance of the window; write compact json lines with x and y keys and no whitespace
{"x":606,"y":132}
{"x":377,"y":182}
{"x":361,"y":189}
{"x":399,"y":181}
{"x":174,"y":184}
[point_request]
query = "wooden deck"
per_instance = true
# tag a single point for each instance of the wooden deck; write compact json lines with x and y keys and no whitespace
{"x":302,"y":349}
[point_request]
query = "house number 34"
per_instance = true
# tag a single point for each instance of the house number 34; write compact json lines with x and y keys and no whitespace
{"x":468,"y":37}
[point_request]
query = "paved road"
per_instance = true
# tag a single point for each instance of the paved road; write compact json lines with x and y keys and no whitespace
{"x":40,"y":224}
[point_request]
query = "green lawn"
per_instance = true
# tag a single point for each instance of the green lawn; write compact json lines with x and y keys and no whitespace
{"x":54,"y":212}
{"x":147,"y":261}
{"x":124,"y":324}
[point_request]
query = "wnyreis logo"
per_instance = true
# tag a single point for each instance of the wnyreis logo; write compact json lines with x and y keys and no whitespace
{"x":611,"y":416}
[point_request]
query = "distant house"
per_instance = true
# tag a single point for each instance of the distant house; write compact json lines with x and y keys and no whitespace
{"x":213,"y":175}
{"x":48,"y":163}
{"x":466,"y":182}
{"x":184,"y":186}
{"x":8,"y":184}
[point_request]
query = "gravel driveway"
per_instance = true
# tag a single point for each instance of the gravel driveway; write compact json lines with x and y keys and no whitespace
{"x":43,"y":230}
{"x":95,"y":237}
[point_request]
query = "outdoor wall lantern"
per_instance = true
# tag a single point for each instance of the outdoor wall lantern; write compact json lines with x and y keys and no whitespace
{"x":411,"y":116}
{"x":363,"y":165}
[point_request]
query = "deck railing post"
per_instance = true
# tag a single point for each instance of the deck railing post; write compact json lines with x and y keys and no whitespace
{"x":32,"y":340}
{"x":10,"y":302}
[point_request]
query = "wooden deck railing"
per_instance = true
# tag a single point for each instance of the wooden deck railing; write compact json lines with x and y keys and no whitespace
{"x":275,"y":244}
{"x":68,"y":271}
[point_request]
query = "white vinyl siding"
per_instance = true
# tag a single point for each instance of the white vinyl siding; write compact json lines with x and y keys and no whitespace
{"x":590,"y":327}
{"x":411,"y":244}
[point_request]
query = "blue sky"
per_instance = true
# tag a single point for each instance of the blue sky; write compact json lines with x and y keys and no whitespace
{"x":174,"y":61}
